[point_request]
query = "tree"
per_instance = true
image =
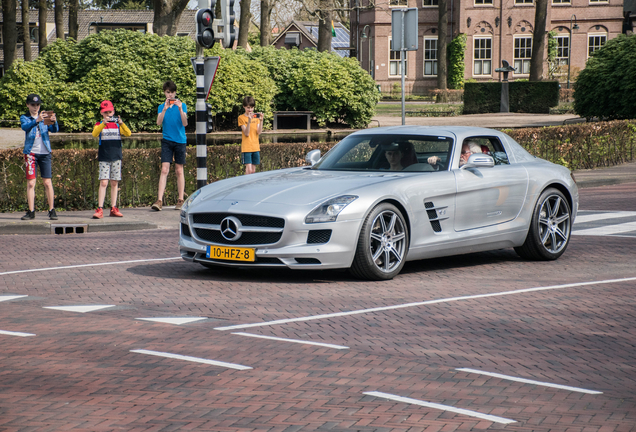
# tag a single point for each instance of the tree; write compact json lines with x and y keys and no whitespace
{"x":9,"y":32}
{"x":267,"y":7}
{"x":73,"y":24}
{"x":167,"y":14}
{"x":58,"y":10}
{"x":325,"y":16}
{"x":26,"y":31}
{"x":606,"y":88}
{"x":244,"y":23}
{"x":43,"y":8}
{"x":442,"y":30}
{"x":538,"y":40}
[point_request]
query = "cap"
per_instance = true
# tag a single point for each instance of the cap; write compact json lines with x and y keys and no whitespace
{"x":33,"y":98}
{"x":106,"y":106}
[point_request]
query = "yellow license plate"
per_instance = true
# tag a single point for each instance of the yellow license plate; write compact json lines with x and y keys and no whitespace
{"x":231,"y":253}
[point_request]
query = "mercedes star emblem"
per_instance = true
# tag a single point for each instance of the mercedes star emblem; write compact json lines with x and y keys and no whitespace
{"x":231,"y":228}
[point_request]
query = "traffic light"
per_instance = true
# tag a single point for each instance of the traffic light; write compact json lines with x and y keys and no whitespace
{"x":227,"y":16}
{"x":209,"y":118}
{"x":205,"y":30}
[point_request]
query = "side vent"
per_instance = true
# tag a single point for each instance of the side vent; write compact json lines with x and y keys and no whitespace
{"x":318,"y":236}
{"x":433,"y":216}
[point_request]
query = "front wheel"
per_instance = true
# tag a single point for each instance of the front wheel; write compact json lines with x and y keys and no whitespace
{"x":550,"y":228}
{"x":382,"y":245}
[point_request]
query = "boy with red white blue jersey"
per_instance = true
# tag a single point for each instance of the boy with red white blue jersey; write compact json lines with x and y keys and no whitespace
{"x":109,"y":155}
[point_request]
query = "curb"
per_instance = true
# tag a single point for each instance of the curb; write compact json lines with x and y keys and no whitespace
{"x":39,"y":228}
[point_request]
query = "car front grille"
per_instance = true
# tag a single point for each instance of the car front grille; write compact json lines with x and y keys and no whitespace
{"x":255,"y":229}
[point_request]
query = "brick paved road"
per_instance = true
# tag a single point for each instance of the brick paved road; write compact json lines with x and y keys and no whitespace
{"x":78,"y":371}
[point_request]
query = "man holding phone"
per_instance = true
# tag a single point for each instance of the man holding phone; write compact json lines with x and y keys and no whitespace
{"x":173,"y":117}
{"x":251,"y":124}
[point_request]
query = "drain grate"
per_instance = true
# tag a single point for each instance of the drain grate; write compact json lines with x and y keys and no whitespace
{"x":69,"y":228}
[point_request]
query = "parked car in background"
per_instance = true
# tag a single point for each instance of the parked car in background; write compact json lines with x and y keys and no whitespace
{"x":382,"y":197}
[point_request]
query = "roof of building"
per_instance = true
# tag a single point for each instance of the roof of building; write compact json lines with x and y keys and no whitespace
{"x":310,"y":30}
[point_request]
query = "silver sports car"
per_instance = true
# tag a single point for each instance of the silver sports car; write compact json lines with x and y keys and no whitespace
{"x":382,"y":197}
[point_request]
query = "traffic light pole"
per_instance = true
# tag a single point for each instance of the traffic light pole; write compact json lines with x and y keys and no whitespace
{"x":202,"y":149}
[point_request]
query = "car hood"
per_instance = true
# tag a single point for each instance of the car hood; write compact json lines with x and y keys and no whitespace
{"x":295,"y":186}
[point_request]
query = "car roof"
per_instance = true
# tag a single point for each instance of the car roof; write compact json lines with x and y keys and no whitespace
{"x":429,"y":130}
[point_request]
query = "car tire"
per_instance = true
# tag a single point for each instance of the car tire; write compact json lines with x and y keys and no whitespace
{"x":550,"y":228}
{"x":382,"y":245}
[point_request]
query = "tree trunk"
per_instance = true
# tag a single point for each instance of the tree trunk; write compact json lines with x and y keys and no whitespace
{"x":9,"y":32}
{"x":442,"y":43}
{"x":538,"y":40}
{"x":26,"y":30}
{"x":266,"y":18}
{"x":59,"y":19}
{"x":42,"y":21}
{"x":73,"y":25}
{"x":244,"y":23}
{"x":167,"y":14}
{"x":325,"y":15}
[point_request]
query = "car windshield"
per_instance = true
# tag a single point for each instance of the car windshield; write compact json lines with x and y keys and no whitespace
{"x":415,"y":153}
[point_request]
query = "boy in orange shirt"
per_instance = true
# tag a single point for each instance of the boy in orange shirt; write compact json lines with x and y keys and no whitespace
{"x":251,"y":124}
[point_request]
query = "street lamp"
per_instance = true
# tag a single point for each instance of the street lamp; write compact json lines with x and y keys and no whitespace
{"x":576,"y":27}
{"x":367,"y":36}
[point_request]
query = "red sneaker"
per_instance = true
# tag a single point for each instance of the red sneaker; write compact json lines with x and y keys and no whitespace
{"x":114,"y":212}
{"x":99,"y":213}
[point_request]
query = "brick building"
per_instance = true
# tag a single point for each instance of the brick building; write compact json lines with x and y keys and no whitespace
{"x":496,"y":30}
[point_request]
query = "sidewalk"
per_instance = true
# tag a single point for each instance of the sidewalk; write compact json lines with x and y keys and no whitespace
{"x":168,"y":218}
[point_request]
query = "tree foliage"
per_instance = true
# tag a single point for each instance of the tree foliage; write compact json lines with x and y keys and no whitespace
{"x":456,"y":56}
{"x":606,"y":88}
{"x":129,"y":69}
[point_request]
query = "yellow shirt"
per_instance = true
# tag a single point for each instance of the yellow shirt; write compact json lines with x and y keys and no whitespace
{"x":249,"y":144}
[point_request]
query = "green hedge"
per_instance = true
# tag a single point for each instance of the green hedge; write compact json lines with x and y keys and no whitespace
{"x":578,"y":146}
{"x":525,"y":97}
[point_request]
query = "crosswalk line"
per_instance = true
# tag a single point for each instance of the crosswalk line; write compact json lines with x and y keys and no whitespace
{"x":607,"y":230}
{"x":602,"y":216}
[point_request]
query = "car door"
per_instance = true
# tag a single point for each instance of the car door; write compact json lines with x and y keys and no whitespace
{"x":489,"y":196}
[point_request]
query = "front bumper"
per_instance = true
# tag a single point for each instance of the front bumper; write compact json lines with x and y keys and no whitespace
{"x":292,"y":250}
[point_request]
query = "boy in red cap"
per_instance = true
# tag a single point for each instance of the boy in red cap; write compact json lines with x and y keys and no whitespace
{"x":109,"y":131}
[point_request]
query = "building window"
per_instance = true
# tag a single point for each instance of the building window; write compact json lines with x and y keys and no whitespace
{"x":430,"y":56}
{"x":523,"y":53}
{"x":599,"y":1}
{"x":483,"y":2}
{"x":560,"y":1}
{"x":563,"y":50}
{"x":393,"y":3}
{"x":595,"y":43}
{"x":395,"y":61}
{"x":430,"y":2}
{"x":33,"y":30}
{"x":524,"y":1}
{"x":483,"y":56}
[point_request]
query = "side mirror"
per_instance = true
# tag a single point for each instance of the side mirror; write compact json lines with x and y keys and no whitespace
{"x":313,"y":157}
{"x":479,"y":160}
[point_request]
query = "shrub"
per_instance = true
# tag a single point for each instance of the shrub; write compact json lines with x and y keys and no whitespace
{"x":606,"y":88}
{"x":456,"y":65}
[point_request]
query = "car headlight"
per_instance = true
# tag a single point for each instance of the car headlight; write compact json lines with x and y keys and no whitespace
{"x":187,"y":203}
{"x":329,"y":210}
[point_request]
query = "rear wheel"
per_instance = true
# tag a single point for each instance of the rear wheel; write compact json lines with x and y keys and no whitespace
{"x":382,"y":245}
{"x":550,"y":228}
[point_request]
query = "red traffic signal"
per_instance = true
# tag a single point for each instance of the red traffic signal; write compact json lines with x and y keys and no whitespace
{"x":205,"y":31}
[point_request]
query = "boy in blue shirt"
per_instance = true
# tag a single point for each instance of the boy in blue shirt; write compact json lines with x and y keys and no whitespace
{"x":173,"y":117}
{"x":37,"y":152}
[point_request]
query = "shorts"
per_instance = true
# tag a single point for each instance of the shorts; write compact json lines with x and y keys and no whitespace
{"x":110,"y":170}
{"x":253,"y":158}
{"x":41,"y":160}
{"x":170,"y":149}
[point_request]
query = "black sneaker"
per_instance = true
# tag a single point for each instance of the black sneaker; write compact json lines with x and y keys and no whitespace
{"x":52,"y":214}
{"x":29,"y":215}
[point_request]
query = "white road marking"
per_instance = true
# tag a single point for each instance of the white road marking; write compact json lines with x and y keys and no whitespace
{"x":80,"y":309}
{"x":88,"y":265}
{"x":10,"y":297}
{"x":607,"y":229}
{"x":450,"y":408}
{"x":528,"y":381}
{"x":173,"y":320}
{"x":12,"y":333}
{"x":192,"y":359}
{"x":602,"y":216}
{"x":293,"y":340}
{"x":422,"y":303}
